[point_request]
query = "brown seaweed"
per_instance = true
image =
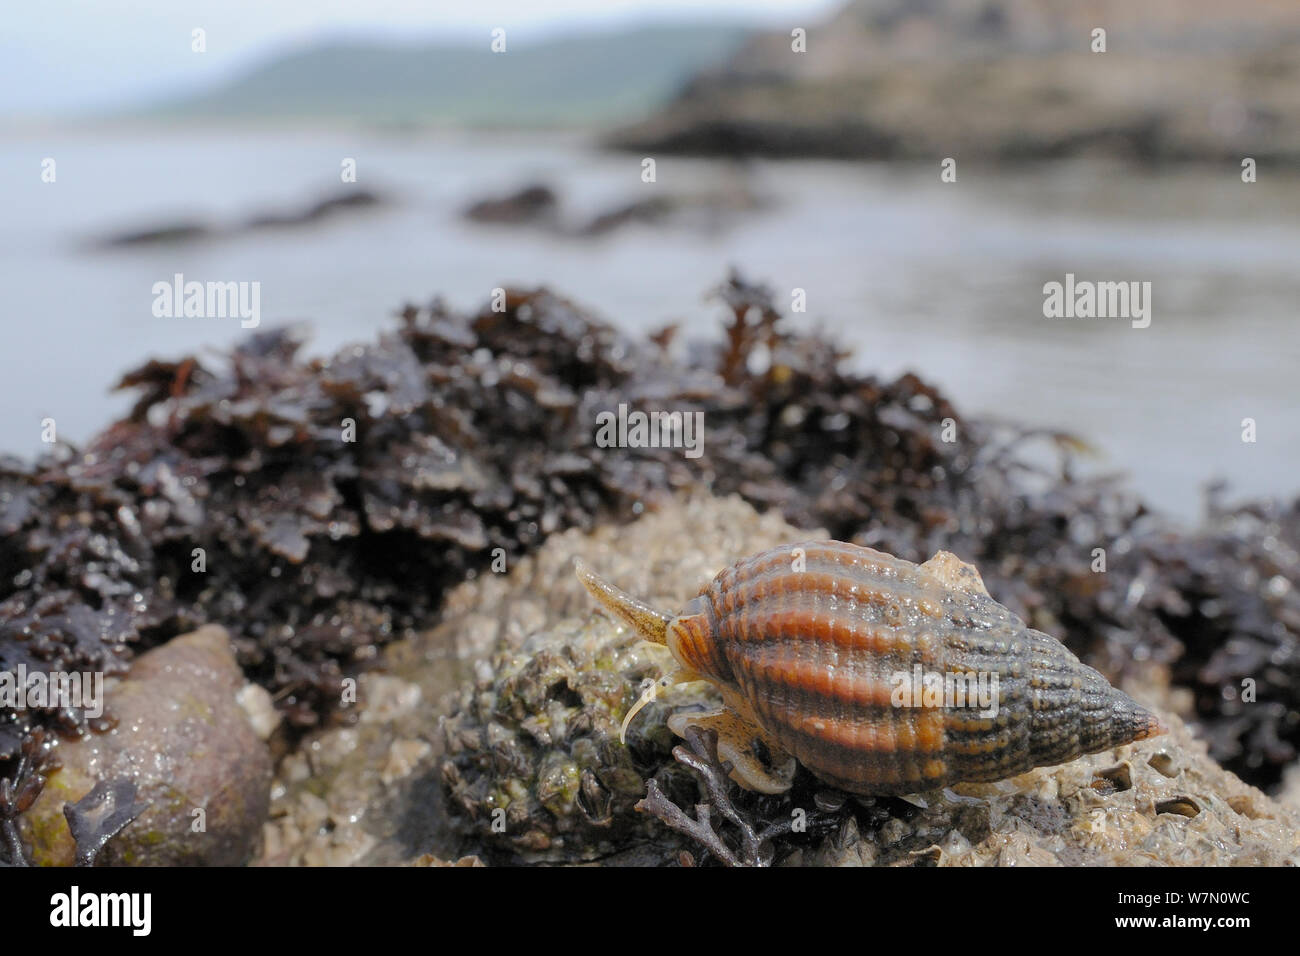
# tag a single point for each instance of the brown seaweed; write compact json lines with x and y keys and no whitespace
{"x":103,"y":813}
{"x":19,"y":791}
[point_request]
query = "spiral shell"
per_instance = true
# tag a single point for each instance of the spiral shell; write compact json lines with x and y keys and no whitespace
{"x":885,"y":677}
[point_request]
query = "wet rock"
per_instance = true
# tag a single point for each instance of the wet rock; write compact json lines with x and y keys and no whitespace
{"x":539,"y":705}
{"x":363,"y":793}
{"x":707,"y":209}
{"x":465,"y":861}
{"x":529,"y":205}
{"x":511,"y":751}
{"x":260,"y":710}
{"x":349,"y":199}
{"x":1108,"y":809}
{"x":652,"y":210}
{"x":526,"y":766}
{"x":163,"y":234}
{"x":181,"y":737}
{"x":189,"y":230}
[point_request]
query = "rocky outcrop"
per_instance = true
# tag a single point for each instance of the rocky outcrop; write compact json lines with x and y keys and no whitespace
{"x":188,"y":231}
{"x":1003,"y":80}
{"x":537,"y":205}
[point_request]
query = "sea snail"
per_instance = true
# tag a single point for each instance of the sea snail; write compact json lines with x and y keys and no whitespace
{"x":875,"y":673}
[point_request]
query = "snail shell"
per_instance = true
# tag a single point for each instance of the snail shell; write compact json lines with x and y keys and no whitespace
{"x":816,"y":648}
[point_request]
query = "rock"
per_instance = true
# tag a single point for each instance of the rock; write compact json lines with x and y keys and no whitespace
{"x":171,"y":233}
{"x":1289,"y":795}
{"x":1158,"y":802}
{"x":528,"y":205}
{"x":384,"y":799}
{"x":645,"y":211}
{"x":707,"y":209}
{"x":710,"y":209}
{"x":186,"y":231}
{"x":534,"y":766}
{"x":367,"y":793}
{"x":999,"y":80}
{"x":465,"y":861}
{"x":260,"y":709}
{"x":530,"y":741}
{"x":535,"y":743}
{"x":182,"y":736}
{"x":348,"y":199}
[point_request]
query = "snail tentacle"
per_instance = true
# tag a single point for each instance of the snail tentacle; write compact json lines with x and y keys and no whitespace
{"x":650,"y":624}
{"x":650,"y":693}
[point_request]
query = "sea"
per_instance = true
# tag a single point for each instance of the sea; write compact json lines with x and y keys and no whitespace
{"x":914,"y":273}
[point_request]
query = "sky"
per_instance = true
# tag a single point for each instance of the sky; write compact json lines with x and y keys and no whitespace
{"x":70,"y":56}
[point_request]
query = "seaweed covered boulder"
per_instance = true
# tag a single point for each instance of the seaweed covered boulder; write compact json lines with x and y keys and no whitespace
{"x":183,"y":741}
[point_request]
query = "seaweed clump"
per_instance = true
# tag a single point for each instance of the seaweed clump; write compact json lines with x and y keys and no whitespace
{"x":19,"y":791}
{"x":319,"y":508}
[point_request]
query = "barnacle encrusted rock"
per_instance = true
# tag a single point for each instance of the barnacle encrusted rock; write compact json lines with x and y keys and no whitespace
{"x":182,"y":737}
{"x":1161,"y":802}
{"x":534,"y":762}
{"x":538,"y":685}
{"x":539,"y":681}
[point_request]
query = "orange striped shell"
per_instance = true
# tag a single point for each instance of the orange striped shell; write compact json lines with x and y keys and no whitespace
{"x":813,"y":638}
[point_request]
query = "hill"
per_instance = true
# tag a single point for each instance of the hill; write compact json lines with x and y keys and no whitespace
{"x":584,"y":79}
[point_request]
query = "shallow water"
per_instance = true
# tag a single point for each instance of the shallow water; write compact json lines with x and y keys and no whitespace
{"x":945,"y":279}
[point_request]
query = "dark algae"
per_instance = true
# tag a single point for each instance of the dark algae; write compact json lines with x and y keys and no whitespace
{"x":100,"y":815}
{"x":319,"y":508}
